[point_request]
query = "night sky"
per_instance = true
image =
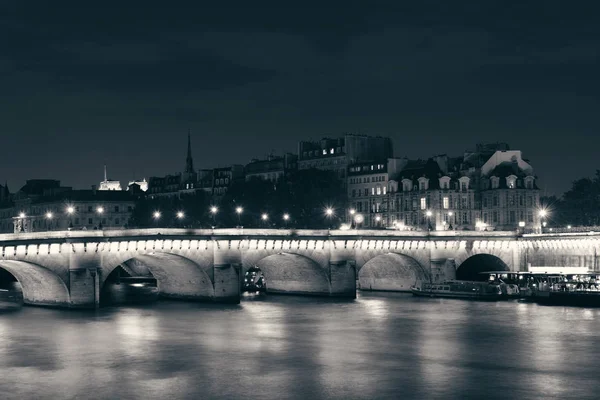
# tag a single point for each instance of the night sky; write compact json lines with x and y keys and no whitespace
{"x":120,"y":83}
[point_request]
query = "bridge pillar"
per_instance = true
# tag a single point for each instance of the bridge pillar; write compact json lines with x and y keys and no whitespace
{"x":342,"y":274}
{"x":227,"y":271}
{"x":84,"y":278}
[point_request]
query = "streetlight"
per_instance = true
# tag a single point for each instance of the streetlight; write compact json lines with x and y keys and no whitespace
{"x":49,"y":220}
{"x":358,"y":219}
{"x":428,"y":213}
{"x":329,"y":214}
{"x":213,"y":211}
{"x":22,"y":215}
{"x":239,"y":210}
{"x":264,"y":217}
{"x":286,"y":218}
{"x":377,"y":220}
{"x":70,"y":211}
{"x":100,"y":210}
{"x":156,"y":215}
{"x":542,"y":215}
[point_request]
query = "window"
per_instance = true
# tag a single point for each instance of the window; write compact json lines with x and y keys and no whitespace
{"x":129,"y":208}
{"x":116,"y":208}
{"x":324,"y":151}
{"x":331,"y":151}
{"x":90,"y":221}
{"x":485,"y":202}
{"x":529,"y":216}
{"x":366,"y":191}
{"x":76,"y":221}
{"x":373,"y":191}
{"x":445,"y":203}
{"x":423,"y":203}
{"x":378,"y":190}
{"x":116,"y":221}
{"x":89,"y":208}
{"x":521,"y":201}
{"x":465,"y":218}
{"x":511,"y":217}
{"x":384,"y":190}
{"x":353,"y":192}
{"x":463,"y":186}
{"x":495,"y":201}
{"x":495,"y":216}
{"x":421,"y":185}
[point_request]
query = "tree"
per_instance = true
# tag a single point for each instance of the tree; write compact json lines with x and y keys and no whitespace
{"x":580,"y":206}
{"x":195,"y":209}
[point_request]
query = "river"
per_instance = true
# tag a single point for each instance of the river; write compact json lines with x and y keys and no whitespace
{"x":379,"y":346}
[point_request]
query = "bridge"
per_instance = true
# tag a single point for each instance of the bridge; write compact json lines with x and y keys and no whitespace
{"x":70,"y":268}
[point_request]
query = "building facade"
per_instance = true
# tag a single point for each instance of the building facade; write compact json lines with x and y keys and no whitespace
{"x":367,"y":185}
{"x":491,"y":188}
{"x":338,"y":154}
{"x":67,"y":209}
{"x":272,"y":169}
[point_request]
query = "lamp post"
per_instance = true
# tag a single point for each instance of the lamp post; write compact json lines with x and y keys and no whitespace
{"x":180,"y":216}
{"x":358,"y":219}
{"x":214,"y":210}
{"x":377,"y":221}
{"x":239,"y":210}
{"x":428,"y":214}
{"x":352,"y":212}
{"x":329,"y":214}
{"x":522,"y":227}
{"x":264,"y":217}
{"x":49,"y":220}
{"x":543,"y":213}
{"x":286,"y":218}
{"x":70,"y":211}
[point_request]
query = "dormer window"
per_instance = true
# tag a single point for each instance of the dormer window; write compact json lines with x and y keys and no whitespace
{"x":406,"y":185}
{"x":495,"y":182}
{"x":444,"y":182}
{"x":511,"y":182}
{"x":324,"y":152}
{"x":464,"y":183}
{"x":529,"y":182}
{"x":423,"y":183}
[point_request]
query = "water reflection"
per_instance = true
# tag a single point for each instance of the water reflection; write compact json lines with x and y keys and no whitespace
{"x":378,"y":346}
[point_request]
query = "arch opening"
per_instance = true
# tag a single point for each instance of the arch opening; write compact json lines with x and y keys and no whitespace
{"x":391,"y":272}
{"x":38,"y":285}
{"x":124,"y":286}
{"x":11,"y":292}
{"x":472,"y":267}
{"x":176,"y":276}
{"x":294,"y":274}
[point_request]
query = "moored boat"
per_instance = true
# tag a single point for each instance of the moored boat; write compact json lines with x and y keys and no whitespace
{"x":10,"y":299}
{"x":570,"y":290}
{"x":254,"y":281}
{"x":459,"y":290}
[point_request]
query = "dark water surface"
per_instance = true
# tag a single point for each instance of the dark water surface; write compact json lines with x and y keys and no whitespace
{"x":378,"y":346}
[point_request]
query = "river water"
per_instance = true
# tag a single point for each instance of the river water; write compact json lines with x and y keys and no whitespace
{"x":379,"y":346}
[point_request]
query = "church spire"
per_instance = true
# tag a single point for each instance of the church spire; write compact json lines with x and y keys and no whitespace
{"x":189,"y":162}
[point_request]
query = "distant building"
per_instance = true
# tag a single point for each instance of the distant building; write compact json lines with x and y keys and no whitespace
{"x":109,"y":184}
{"x":491,"y":188}
{"x":223,"y":178}
{"x":273,"y":168}
{"x":337,"y":154}
{"x":367,"y":186}
{"x":142,"y":184}
{"x":43,"y":205}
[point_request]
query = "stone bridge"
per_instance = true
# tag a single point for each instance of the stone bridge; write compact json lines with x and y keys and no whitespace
{"x":69,"y":268}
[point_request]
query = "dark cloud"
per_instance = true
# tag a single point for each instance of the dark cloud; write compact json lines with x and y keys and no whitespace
{"x":121,"y":82}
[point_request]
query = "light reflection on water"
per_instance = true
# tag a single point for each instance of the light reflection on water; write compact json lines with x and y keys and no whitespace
{"x":377,"y":346}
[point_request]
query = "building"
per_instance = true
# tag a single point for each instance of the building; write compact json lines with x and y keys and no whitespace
{"x":224,"y":177}
{"x":185,"y":182}
{"x":272,"y":169}
{"x":109,"y":184}
{"x":432,"y":194}
{"x":510,"y":197}
{"x":491,"y":188}
{"x":45,"y":205}
{"x":142,"y":184}
{"x":337,"y":154}
{"x":367,"y":186}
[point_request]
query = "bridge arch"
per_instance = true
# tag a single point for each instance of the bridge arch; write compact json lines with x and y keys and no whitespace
{"x":391,"y":272}
{"x":40,"y":285}
{"x":176,"y":276}
{"x":470,"y":269}
{"x":294,"y":273}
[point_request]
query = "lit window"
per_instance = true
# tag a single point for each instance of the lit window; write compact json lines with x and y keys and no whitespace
{"x":331,"y":151}
{"x":324,"y":151}
{"x":423,"y":203}
{"x":378,"y":190}
{"x":446,"y":203}
{"x":384,"y":190}
{"x":373,"y":191}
